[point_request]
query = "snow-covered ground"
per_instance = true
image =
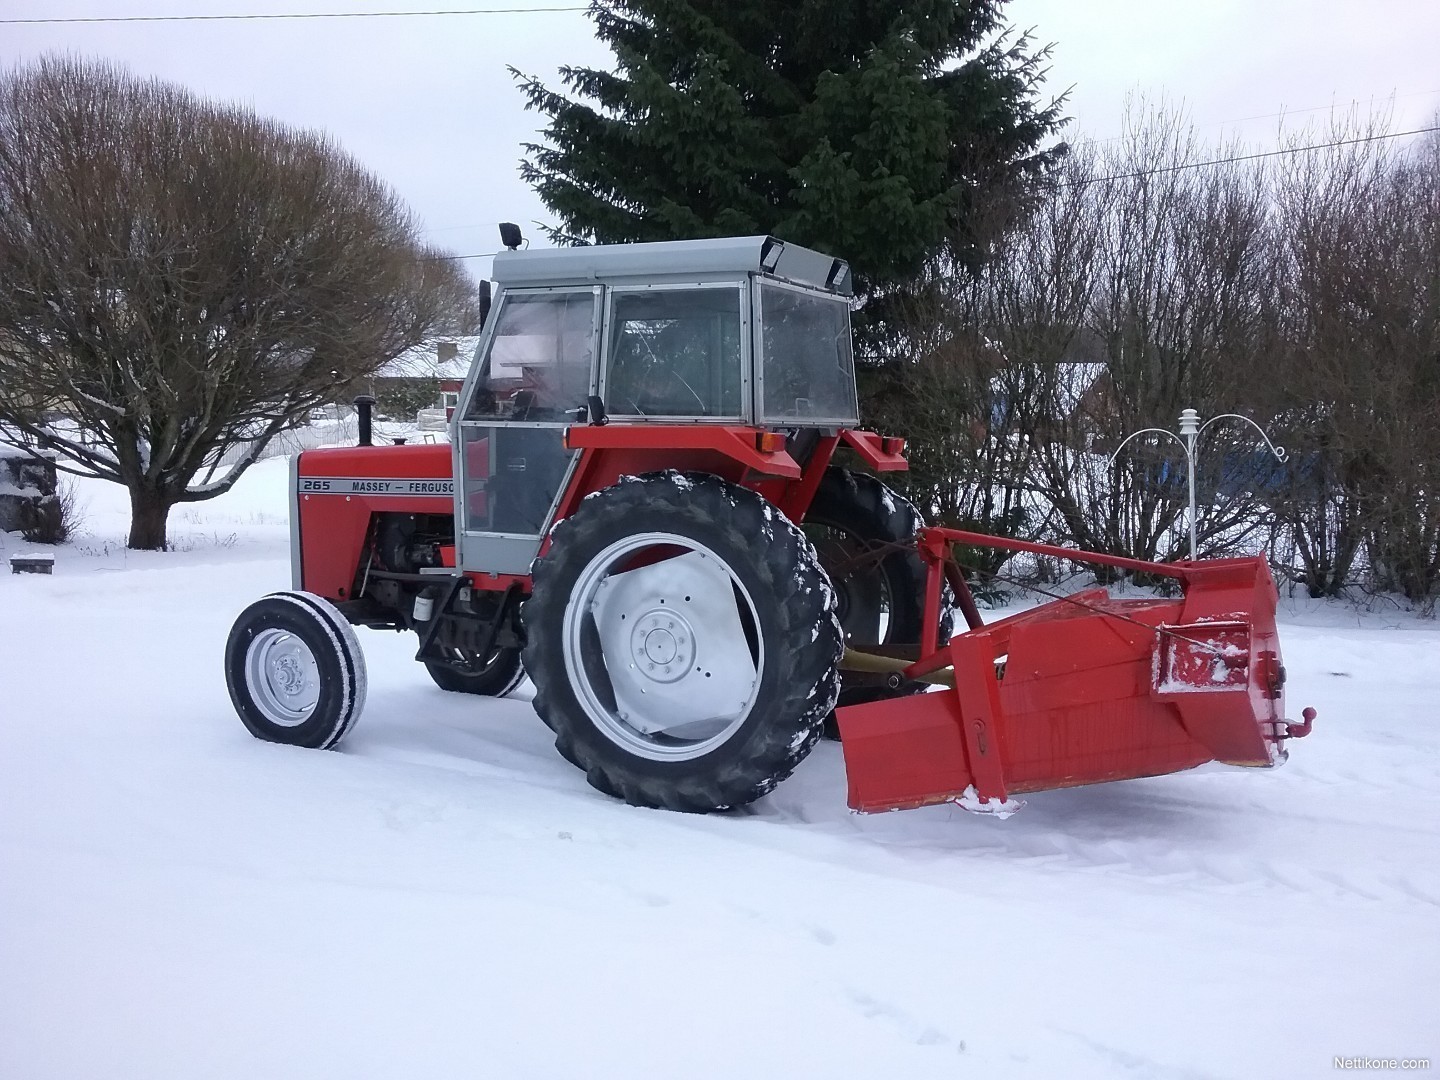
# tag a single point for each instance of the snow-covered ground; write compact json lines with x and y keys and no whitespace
{"x":445,"y":897}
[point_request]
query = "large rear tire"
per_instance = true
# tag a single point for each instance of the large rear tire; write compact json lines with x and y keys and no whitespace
{"x":682,"y":640}
{"x":295,"y":671}
{"x":864,"y":534}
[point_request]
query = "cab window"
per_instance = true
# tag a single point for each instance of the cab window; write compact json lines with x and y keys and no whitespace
{"x":675,"y":352}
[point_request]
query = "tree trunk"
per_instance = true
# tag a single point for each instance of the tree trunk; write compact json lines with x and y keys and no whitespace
{"x":149,"y":510}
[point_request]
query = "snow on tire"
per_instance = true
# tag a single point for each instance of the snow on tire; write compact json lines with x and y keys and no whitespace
{"x":295,"y":671}
{"x":682,"y":639}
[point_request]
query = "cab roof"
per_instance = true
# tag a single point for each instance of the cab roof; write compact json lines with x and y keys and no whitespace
{"x":730,"y":256}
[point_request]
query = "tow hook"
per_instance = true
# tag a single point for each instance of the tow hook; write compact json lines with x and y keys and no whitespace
{"x":1299,"y":731}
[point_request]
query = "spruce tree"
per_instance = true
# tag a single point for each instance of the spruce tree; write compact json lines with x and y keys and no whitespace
{"x":876,"y":130}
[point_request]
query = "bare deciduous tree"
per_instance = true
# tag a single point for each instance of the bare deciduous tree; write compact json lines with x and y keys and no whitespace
{"x":1133,"y":290}
{"x":1174,"y":310}
{"x":1156,"y":275}
{"x":1405,"y":537}
{"x":1355,"y":373}
{"x":181,"y":280}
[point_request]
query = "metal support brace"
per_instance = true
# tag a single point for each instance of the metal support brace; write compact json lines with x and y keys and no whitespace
{"x":501,"y":612}
{"x":492,"y":627}
{"x":934,"y":550}
{"x":442,"y":609}
{"x":980,"y":712}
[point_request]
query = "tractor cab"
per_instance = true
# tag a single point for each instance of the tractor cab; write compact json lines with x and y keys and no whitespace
{"x":740,"y":332}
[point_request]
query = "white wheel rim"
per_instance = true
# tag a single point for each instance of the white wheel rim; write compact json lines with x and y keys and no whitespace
{"x":674,"y":674}
{"x":282,"y":677}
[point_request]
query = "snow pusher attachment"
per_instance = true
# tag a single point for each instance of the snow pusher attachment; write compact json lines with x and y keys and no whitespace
{"x":1081,"y":690}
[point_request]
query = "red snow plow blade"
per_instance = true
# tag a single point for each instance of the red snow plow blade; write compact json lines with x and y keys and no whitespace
{"x":1079,"y":691}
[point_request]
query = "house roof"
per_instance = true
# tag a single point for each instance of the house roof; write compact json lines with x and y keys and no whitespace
{"x":423,"y":361}
{"x":1073,"y":381}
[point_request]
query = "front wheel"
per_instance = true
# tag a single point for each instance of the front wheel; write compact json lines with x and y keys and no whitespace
{"x":295,"y":672}
{"x":682,"y":640}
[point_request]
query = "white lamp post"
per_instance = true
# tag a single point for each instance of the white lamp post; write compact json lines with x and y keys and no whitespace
{"x":1190,"y":431}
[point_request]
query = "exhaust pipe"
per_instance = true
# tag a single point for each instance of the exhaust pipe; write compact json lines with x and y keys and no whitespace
{"x":363,"y":404}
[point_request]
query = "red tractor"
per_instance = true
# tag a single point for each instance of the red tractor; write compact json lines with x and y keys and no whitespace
{"x":640,"y":508}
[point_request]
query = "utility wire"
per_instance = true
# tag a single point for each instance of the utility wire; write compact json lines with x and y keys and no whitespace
{"x":303,"y":15}
{"x":1150,"y":172}
{"x":1251,"y":157}
{"x":1334,"y":106}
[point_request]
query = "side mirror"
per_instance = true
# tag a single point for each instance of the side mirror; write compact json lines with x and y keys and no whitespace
{"x":485,"y":302}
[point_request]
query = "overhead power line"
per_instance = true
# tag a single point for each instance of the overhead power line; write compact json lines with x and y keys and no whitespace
{"x":290,"y":15}
{"x":1334,"y":107}
{"x":1253,"y":157}
{"x":1138,"y":175}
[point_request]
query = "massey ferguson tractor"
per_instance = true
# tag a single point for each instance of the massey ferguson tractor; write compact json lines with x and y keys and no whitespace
{"x":657,"y":503}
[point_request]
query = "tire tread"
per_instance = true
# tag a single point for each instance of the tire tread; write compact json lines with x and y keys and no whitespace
{"x":807,"y":641}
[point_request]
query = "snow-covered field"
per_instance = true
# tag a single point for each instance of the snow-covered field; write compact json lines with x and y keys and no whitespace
{"x":445,"y":897}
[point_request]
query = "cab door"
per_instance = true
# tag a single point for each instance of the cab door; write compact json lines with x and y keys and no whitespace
{"x":535,"y":371}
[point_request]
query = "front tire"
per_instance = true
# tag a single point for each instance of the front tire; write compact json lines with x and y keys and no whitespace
{"x":682,"y":640}
{"x":295,"y":671}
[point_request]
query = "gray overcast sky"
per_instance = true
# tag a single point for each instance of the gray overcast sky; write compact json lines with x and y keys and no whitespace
{"x":427,"y":104}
